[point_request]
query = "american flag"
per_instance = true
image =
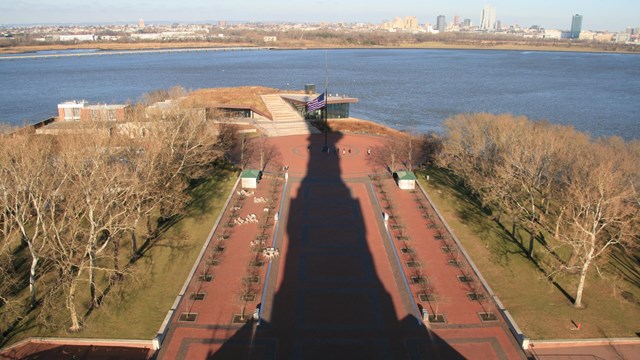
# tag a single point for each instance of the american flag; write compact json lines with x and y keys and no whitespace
{"x":317,"y":103}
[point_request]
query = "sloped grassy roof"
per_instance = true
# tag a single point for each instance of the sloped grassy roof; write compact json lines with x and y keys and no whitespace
{"x":237,"y":97}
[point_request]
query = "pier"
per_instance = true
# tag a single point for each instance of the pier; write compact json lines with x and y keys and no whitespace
{"x":129,"y":52}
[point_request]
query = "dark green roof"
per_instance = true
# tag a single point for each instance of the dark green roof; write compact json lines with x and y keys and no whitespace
{"x":250,"y":173}
{"x":405,"y":175}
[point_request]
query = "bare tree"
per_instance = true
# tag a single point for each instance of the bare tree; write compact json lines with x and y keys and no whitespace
{"x":410,"y":151}
{"x":31,"y":181}
{"x":600,"y":211}
{"x":389,"y":154}
{"x":228,"y":139}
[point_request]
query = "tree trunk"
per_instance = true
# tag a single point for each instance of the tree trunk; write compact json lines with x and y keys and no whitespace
{"x":392,"y":163}
{"x":92,"y":280}
{"x":557,"y":232}
{"x":261,"y":159}
{"x":532,"y":228}
{"x":149,"y":226}
{"x":532,"y":238}
{"x":32,"y":279}
{"x":242,"y":143}
{"x":134,"y":245}
{"x":71,"y":306}
{"x":583,"y":277}
{"x":116,"y":255}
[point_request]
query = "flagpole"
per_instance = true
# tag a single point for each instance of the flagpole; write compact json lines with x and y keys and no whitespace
{"x":326,"y":102}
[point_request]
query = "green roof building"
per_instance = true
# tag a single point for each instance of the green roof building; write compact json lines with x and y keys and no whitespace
{"x":250,"y":178}
{"x":406,"y":180}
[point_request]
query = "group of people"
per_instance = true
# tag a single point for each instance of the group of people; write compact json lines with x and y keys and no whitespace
{"x":337,"y":151}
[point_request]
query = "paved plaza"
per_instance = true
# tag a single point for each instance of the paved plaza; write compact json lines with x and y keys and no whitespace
{"x":339,"y":286}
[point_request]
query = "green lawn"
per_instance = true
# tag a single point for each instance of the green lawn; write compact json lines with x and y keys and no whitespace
{"x":539,"y":307}
{"x":137,"y":308}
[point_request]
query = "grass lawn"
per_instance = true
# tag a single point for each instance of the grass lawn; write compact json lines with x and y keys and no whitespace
{"x":136,"y":310}
{"x":538,"y":305}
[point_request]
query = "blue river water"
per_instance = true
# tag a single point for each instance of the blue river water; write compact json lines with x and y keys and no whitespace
{"x":406,"y":89}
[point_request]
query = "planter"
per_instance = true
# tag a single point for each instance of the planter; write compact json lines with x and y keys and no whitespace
{"x":238,"y":319}
{"x":407,"y":250}
{"x":188,"y":317}
{"x":437,"y":319}
{"x":465,"y":278}
{"x":213,"y":262}
{"x":205,"y":278}
{"x":248,"y":297}
{"x":413,"y":264}
{"x":426,"y":297}
{"x":197,"y":296}
{"x":476,"y":297}
{"x":488,"y":316}
{"x":455,"y":263}
{"x":418,"y":280}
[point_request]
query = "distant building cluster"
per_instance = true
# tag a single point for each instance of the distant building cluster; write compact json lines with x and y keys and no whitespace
{"x":409,"y":23}
{"x":489,"y":23}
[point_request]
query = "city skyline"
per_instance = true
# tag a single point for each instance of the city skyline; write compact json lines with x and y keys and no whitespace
{"x":597,"y":15}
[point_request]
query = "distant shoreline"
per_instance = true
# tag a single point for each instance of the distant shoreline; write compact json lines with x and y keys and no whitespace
{"x":27,"y":50}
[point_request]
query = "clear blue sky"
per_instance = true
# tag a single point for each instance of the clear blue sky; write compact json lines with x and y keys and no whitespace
{"x":612,"y":15}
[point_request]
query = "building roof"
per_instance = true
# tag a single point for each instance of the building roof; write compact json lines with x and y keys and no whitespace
{"x":250,"y":174}
{"x":243,"y":97}
{"x":405,"y":175}
{"x":304,"y":98}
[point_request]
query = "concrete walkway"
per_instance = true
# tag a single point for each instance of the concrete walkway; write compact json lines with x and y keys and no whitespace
{"x":285,"y":120}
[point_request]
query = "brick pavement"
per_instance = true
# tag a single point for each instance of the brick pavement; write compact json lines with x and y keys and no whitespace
{"x":340,"y":287}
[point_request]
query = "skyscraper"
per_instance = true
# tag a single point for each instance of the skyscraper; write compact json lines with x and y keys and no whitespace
{"x":410,"y":22}
{"x":488,"y":21}
{"x":576,"y":26}
{"x":441,"y":25}
{"x":141,"y":23}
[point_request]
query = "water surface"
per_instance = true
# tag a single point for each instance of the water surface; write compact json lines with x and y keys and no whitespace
{"x":407,"y":89}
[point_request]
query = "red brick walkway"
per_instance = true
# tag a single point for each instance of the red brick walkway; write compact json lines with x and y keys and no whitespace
{"x":340,"y":287}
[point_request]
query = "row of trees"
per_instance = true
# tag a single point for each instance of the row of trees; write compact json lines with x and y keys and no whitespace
{"x":68,"y":201}
{"x":562,"y":187}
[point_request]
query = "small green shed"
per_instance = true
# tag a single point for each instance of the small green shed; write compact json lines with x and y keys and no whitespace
{"x":405,"y":179}
{"x":250,"y":178}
